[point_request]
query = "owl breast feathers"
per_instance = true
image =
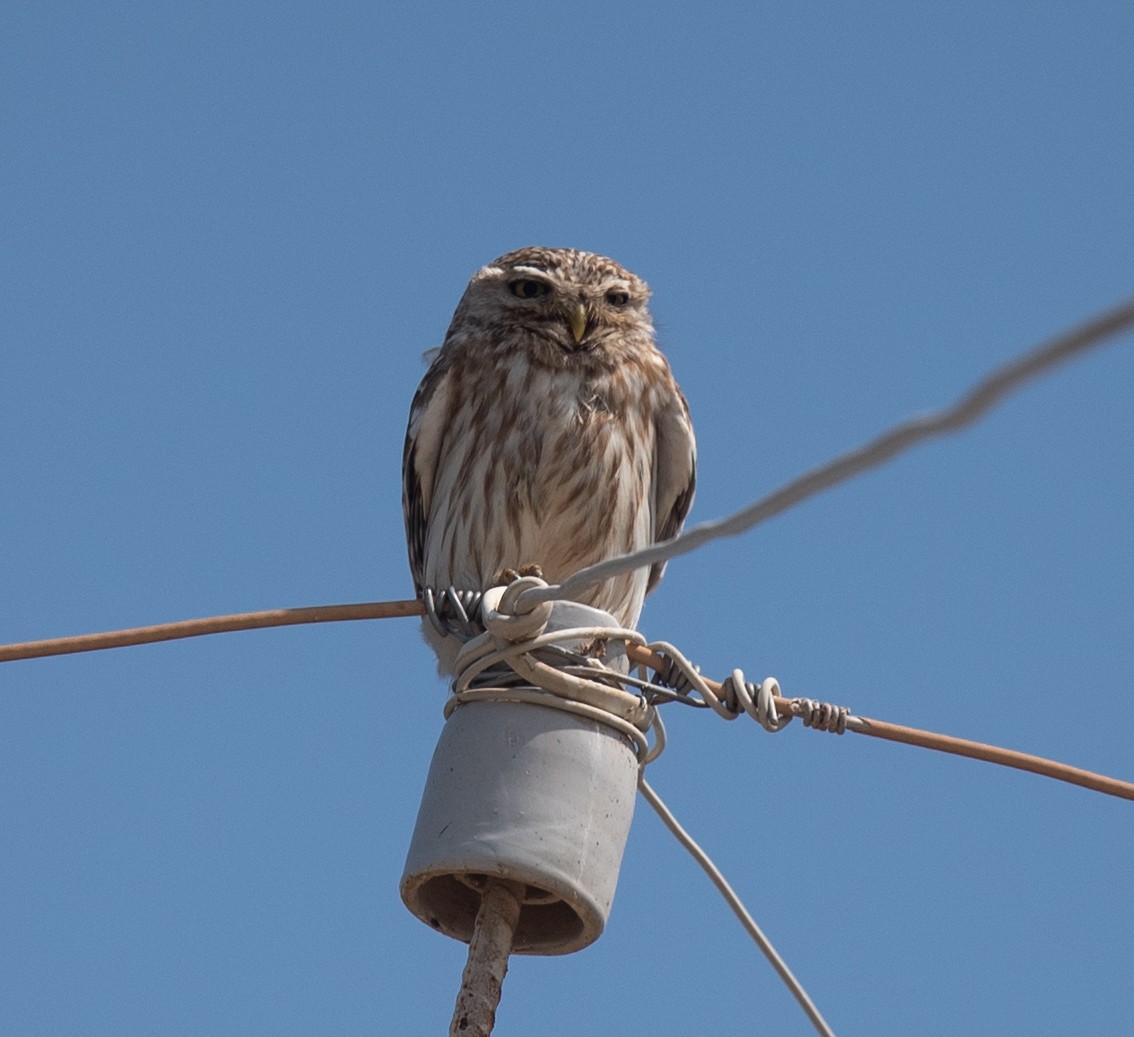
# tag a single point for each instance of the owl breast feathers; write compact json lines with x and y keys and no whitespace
{"x":548,"y":430}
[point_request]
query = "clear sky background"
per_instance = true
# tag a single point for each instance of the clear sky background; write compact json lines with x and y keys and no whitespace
{"x":227,"y":234}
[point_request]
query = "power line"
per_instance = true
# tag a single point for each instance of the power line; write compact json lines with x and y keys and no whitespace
{"x":209,"y":625}
{"x":967,"y":409}
{"x":974,"y":404}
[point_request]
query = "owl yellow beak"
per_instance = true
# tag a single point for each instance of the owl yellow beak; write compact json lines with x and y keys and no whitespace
{"x":578,"y":322}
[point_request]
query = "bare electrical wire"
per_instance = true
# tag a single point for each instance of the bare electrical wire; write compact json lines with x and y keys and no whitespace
{"x":738,"y":908}
{"x":209,"y":625}
{"x":981,"y":398}
{"x":640,"y":654}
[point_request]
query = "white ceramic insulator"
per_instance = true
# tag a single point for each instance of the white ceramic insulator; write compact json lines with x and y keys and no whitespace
{"x":532,"y":794}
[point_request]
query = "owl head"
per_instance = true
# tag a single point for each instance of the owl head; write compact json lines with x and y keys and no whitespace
{"x":563,"y":307}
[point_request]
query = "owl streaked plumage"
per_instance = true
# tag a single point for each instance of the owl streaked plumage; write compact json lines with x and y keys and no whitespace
{"x":548,"y":430}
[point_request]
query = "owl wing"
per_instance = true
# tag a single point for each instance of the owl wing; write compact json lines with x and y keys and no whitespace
{"x":424,"y":435}
{"x":675,"y":474}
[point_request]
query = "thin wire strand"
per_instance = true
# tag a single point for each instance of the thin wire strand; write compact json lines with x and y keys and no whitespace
{"x":738,"y":908}
{"x":981,"y":398}
{"x":638,"y":653}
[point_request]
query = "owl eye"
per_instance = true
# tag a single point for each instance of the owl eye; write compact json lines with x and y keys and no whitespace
{"x":617,"y":297}
{"x":528,"y":288}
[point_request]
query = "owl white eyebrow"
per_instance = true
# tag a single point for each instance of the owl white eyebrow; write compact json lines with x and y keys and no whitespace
{"x":532,"y":270}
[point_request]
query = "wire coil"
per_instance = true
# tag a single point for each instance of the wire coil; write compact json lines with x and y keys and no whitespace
{"x":452,"y":612}
{"x":823,"y":716}
{"x":517,"y":659}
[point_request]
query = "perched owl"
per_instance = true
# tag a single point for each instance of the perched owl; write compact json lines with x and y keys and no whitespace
{"x":547,"y":431}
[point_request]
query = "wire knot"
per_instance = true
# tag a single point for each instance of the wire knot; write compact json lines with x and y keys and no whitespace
{"x":678,"y":680}
{"x":681,"y":681}
{"x":821,"y":715}
{"x":757,"y":700}
{"x":501,"y":611}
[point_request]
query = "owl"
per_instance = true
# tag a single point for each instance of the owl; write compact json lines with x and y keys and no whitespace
{"x":548,"y":432}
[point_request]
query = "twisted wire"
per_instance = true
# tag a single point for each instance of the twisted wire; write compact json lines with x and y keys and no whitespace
{"x":453,"y":612}
{"x":728,"y":699}
{"x":823,"y":716}
{"x":734,"y":695}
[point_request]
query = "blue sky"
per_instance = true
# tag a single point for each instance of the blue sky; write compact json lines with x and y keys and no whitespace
{"x":228,"y":234}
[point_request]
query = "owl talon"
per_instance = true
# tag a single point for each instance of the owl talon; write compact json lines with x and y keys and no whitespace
{"x":595,"y":649}
{"x":509,"y":575}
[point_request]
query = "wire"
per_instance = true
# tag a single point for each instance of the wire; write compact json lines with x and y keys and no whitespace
{"x":209,"y":625}
{"x":638,"y":653}
{"x":981,"y":398}
{"x":738,"y":908}
{"x":976,"y":402}
{"x":909,"y":735}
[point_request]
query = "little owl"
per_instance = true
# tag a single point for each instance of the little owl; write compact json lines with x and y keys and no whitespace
{"x":548,"y":431}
